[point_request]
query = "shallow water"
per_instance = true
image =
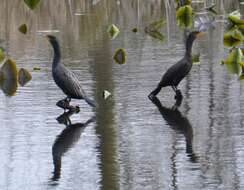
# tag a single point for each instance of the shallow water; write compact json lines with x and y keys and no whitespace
{"x":133,"y":143}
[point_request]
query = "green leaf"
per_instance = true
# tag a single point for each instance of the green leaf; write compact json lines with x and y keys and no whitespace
{"x":242,"y":74}
{"x":241,"y":77}
{"x":8,"y":76}
{"x":233,"y":38}
{"x":156,"y":35}
{"x":135,"y":30}
{"x":9,"y":69}
{"x":36,"y":68}
{"x":184,"y":16}
{"x":106,"y":94}
{"x":234,"y":61}
{"x":2,"y":56}
{"x":156,"y":25}
{"x":113,"y":31}
{"x":24,"y":76}
{"x":181,"y":3}
{"x":153,"y":29}
{"x":32,"y":4}
{"x":241,"y":28}
{"x":235,"y":18}
{"x":120,"y":56}
{"x":196,"y":59}
{"x":23,"y":28}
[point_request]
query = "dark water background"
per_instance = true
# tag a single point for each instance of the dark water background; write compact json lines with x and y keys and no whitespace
{"x":133,"y":144}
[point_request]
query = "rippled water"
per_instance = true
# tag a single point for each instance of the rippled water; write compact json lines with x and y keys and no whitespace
{"x":132,"y":143}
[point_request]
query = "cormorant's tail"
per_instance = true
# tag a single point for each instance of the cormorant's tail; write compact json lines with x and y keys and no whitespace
{"x":92,"y":103}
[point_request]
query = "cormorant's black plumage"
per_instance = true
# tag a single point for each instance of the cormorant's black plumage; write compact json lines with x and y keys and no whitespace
{"x":178,"y":71}
{"x":64,"y":78}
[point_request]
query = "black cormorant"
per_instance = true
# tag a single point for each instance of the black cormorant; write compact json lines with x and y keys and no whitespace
{"x":178,"y":71}
{"x":64,"y":78}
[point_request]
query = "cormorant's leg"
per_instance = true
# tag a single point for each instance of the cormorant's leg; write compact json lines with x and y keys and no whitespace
{"x":154,"y":93}
{"x":178,"y":94}
{"x":67,"y":99}
{"x":174,"y":88}
{"x":177,"y":103}
{"x":64,"y":103}
{"x":70,"y":107}
{"x":67,"y":103}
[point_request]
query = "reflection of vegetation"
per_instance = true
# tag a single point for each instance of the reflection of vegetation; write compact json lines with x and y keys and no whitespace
{"x":184,"y":16}
{"x":36,"y":68}
{"x":181,"y":3}
{"x":235,"y":33}
{"x":24,"y":76}
{"x":8,"y":77}
{"x":234,"y":19}
{"x":32,"y":4}
{"x":120,"y":56}
{"x":23,"y":28}
{"x":2,"y":56}
{"x":156,"y":25}
{"x":135,"y":30}
{"x":234,"y":61}
{"x":184,"y":13}
{"x":233,"y":37}
{"x":156,"y":35}
{"x":153,"y":29}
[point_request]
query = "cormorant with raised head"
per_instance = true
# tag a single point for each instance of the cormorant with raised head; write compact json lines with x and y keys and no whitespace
{"x":178,"y":71}
{"x":64,"y":78}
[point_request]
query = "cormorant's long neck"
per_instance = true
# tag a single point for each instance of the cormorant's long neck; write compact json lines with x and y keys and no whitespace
{"x":189,"y":43}
{"x":57,"y":54}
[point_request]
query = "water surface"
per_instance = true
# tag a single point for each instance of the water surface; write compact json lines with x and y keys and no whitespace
{"x":133,"y":143}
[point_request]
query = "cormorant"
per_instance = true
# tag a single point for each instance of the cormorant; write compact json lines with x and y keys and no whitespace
{"x":64,"y":78}
{"x":178,"y":71}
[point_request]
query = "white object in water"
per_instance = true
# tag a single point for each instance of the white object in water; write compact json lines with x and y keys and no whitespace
{"x":106,"y":94}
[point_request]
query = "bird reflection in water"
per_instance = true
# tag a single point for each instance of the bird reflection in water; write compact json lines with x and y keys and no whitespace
{"x":179,"y":123}
{"x":66,"y":140}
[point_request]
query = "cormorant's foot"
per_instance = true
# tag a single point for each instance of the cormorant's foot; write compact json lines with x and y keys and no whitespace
{"x":63,"y":104}
{"x":178,"y":95}
{"x":75,"y":109}
{"x":151,"y":96}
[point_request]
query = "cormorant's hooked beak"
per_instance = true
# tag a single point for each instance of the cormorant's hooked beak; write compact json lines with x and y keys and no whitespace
{"x":200,"y":34}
